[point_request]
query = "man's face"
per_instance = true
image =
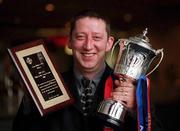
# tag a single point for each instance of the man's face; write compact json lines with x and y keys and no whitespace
{"x":89,"y":43}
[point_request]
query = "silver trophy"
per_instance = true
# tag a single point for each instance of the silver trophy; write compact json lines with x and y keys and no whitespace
{"x":134,"y":58}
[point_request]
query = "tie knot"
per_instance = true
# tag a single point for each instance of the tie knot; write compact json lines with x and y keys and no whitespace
{"x":85,"y":82}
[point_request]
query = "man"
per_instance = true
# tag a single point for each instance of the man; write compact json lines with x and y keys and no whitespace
{"x":89,"y":40}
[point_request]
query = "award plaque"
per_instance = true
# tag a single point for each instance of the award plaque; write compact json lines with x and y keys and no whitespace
{"x":43,"y":82}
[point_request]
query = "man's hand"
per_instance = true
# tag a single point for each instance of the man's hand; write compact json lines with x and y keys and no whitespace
{"x":125,"y":92}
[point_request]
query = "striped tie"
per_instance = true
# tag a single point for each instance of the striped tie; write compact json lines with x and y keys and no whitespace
{"x":86,"y":98}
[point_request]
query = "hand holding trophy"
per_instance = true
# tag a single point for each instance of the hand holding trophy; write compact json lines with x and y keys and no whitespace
{"x":134,"y":58}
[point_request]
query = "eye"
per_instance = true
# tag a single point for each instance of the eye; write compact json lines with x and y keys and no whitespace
{"x":80,"y":37}
{"x":97,"y":38}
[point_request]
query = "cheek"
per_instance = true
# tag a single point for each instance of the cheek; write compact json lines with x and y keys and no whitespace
{"x":101,"y":46}
{"x":77,"y":45}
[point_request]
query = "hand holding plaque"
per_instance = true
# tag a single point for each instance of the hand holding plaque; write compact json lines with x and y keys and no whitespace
{"x":41,"y":78}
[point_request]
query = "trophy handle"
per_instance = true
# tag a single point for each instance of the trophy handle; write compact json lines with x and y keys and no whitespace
{"x":122,"y":43}
{"x":160,"y":51}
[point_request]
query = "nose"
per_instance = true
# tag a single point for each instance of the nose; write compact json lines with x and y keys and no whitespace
{"x":88,"y":44}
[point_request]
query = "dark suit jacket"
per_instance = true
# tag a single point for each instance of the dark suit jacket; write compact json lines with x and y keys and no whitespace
{"x":69,"y":118}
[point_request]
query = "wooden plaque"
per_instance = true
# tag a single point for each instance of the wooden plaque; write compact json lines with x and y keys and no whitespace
{"x":40,"y":76}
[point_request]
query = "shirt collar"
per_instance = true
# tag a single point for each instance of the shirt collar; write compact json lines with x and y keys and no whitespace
{"x":96,"y":78}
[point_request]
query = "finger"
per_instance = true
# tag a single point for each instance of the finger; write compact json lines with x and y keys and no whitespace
{"x":117,"y":93}
{"x":121,"y":95}
{"x":127,"y":84}
{"x":125,"y":99}
{"x":119,"y":89}
{"x":125,"y":78}
{"x":124,"y":93}
{"x":130,"y":89}
{"x":118,"y":97}
{"x":117,"y":82}
{"x":122,"y":79}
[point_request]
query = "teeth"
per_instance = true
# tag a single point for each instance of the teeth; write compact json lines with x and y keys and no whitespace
{"x":88,"y":54}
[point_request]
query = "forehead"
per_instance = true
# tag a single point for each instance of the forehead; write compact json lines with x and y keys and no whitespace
{"x":90,"y":23}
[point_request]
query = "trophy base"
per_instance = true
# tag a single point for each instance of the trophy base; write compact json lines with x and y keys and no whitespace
{"x":112,"y":112}
{"x":109,"y":121}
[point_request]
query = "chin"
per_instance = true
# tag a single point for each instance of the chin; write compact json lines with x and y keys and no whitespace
{"x":88,"y":66}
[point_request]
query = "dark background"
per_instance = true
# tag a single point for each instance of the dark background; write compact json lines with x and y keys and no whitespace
{"x":25,"y":20}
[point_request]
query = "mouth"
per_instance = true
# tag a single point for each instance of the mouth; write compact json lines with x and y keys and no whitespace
{"x":88,"y":54}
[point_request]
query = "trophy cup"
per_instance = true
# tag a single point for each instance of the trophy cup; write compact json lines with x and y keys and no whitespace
{"x":134,"y":58}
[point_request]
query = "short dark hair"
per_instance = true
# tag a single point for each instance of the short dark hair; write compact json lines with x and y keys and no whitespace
{"x":91,"y":14}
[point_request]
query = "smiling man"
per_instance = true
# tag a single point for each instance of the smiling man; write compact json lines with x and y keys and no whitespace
{"x":89,"y":40}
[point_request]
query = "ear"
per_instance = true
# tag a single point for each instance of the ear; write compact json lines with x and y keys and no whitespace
{"x":109,"y":43}
{"x":69,"y":43}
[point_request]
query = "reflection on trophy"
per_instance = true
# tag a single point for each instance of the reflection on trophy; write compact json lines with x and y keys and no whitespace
{"x":134,"y":58}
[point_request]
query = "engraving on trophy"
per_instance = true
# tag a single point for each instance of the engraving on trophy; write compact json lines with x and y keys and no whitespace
{"x":135,"y":60}
{"x":43,"y":76}
{"x":134,"y":63}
